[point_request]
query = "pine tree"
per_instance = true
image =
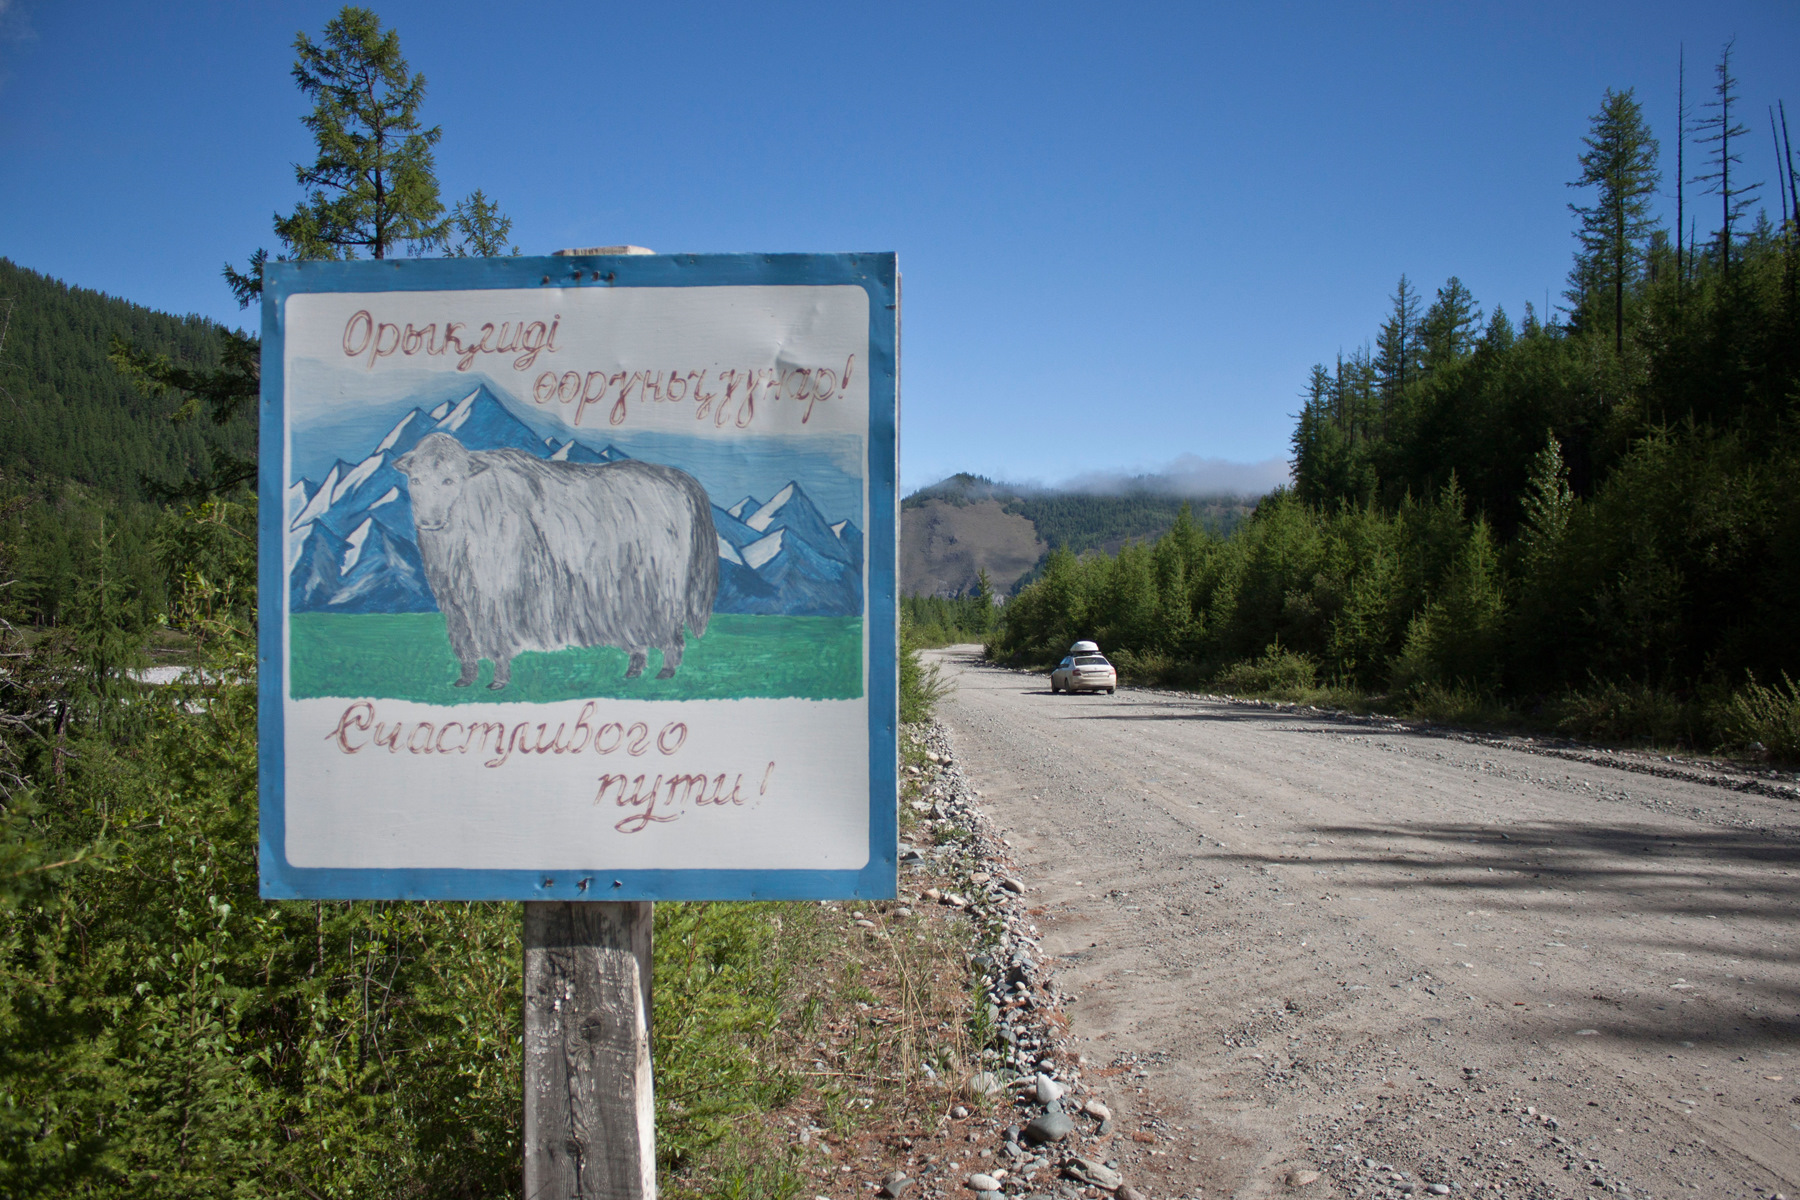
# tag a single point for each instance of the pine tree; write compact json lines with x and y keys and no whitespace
{"x":1734,"y":199}
{"x":1620,"y":163}
{"x":984,"y":592}
{"x":1448,"y":331}
{"x":1547,"y":503}
{"x":1498,"y":338}
{"x":1397,"y":344}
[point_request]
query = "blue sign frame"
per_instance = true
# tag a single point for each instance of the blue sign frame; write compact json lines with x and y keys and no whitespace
{"x":878,"y":275}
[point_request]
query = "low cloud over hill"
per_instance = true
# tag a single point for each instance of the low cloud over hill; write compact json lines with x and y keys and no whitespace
{"x":1189,"y":475}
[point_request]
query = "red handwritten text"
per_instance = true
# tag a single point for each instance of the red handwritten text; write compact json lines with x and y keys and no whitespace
{"x":364,"y":335}
{"x":670,"y":793}
{"x":359,"y":729}
{"x":724,"y":397}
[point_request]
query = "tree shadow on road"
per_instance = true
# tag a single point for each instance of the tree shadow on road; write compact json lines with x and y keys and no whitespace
{"x":1711,"y":909}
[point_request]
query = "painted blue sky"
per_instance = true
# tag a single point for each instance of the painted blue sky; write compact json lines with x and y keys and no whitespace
{"x":1127,"y":230}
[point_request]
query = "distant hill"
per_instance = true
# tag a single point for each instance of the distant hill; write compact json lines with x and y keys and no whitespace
{"x":952,"y":529}
{"x":66,"y":414}
{"x":944,"y":545}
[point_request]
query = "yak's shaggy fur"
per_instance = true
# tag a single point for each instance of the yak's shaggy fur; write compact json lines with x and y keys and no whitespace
{"x":526,"y":554}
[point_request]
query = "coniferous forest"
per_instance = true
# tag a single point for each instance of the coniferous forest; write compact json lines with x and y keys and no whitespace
{"x":1585,"y":518}
{"x":86,"y":458}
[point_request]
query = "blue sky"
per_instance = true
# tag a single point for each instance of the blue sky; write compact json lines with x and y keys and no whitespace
{"x":1126,"y":230}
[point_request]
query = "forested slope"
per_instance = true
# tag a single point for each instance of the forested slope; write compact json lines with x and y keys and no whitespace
{"x":1590,"y":517}
{"x":70,"y":415}
{"x":82,"y":450}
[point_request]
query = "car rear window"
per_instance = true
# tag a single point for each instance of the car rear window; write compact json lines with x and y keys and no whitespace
{"x":1092,"y":660}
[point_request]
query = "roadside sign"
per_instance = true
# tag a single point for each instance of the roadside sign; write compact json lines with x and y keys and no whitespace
{"x":577,"y":578}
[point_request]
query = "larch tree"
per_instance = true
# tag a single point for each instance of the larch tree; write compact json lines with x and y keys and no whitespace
{"x":1397,"y":343}
{"x":373,"y":186}
{"x":1620,"y":164}
{"x":374,"y":183}
{"x":373,"y":189}
{"x":1681,"y":130}
{"x":1722,"y":131}
{"x":478,"y":228}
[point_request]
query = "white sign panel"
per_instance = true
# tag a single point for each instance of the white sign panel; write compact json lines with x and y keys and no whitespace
{"x":578,"y":578}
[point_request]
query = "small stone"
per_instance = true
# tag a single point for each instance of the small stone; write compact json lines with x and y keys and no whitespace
{"x":959,"y":1112}
{"x":931,"y":894}
{"x":903,"y":911}
{"x":1048,"y":1090}
{"x":1053,"y":1126}
{"x":983,"y":1183}
{"x":1438,"y":1189}
{"x":1012,"y":885}
{"x":865,"y":923}
{"x":1094,"y":1173}
{"x":994,"y":1195}
{"x":1097,"y":1110}
{"x":1302,"y":1177}
{"x":895,"y":1185}
{"x":1106,"y":1127}
{"x":1127,"y":1192}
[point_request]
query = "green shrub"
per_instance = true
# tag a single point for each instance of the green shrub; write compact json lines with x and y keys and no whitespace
{"x":1610,"y":711}
{"x":1769,"y":716}
{"x":1279,"y":672}
{"x":921,"y":687}
{"x":1456,"y":704}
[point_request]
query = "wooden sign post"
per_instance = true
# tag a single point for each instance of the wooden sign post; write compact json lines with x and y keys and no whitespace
{"x":590,"y":1117}
{"x":577,"y":578}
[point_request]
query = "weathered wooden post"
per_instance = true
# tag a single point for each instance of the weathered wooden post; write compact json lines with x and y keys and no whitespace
{"x":590,"y":1113}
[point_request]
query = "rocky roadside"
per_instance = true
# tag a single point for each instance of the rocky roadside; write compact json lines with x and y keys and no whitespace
{"x":1032,"y":1126}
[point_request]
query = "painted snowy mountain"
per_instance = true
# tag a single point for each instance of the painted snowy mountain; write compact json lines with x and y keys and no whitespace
{"x":353,"y":549}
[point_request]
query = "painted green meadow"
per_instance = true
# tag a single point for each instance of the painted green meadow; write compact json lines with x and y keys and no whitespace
{"x":406,"y":656}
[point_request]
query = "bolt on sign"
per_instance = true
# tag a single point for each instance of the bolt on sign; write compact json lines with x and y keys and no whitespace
{"x":578,"y":578}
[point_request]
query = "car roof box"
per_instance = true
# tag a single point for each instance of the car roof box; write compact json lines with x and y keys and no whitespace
{"x":1084,"y":648}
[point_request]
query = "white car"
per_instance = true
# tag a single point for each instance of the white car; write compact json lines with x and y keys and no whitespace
{"x":1085,"y":669}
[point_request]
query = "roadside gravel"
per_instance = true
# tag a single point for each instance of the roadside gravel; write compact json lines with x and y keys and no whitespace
{"x":1304,"y":954}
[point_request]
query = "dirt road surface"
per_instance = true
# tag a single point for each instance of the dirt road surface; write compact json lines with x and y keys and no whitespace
{"x":1408,"y":961}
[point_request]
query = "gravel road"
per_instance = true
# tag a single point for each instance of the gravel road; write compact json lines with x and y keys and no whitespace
{"x":1320,"y":955}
